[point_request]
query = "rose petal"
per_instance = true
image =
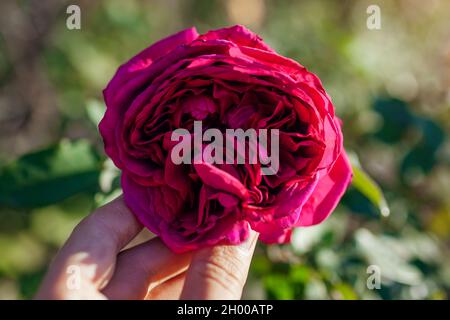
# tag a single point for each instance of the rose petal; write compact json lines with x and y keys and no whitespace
{"x":327,"y":194}
{"x":220,"y":180}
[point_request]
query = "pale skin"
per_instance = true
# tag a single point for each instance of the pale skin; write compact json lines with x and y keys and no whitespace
{"x":94,"y":254}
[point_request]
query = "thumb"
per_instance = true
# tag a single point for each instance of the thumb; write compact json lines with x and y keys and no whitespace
{"x":219,"y":272}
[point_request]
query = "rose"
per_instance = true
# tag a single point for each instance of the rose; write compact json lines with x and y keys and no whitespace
{"x":227,"y":78}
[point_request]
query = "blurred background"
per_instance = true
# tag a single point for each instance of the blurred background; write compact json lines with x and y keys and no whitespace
{"x":390,"y":86}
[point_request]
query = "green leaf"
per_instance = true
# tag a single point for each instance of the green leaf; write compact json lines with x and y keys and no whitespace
{"x":396,"y":119}
{"x":422,"y":157}
{"x":50,"y":175}
{"x":29,"y":283}
{"x":368,"y":187}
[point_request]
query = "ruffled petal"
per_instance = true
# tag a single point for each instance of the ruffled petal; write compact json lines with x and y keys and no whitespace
{"x":327,"y":193}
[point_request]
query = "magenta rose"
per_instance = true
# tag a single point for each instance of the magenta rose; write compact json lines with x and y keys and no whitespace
{"x":227,"y":78}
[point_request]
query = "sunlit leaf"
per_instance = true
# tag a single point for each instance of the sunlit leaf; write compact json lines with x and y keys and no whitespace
{"x":368,"y":187}
{"x":390,"y":255}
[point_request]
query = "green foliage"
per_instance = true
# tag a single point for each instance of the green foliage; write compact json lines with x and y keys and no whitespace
{"x":50,"y":175}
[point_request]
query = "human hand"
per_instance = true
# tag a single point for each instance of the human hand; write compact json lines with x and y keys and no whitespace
{"x":93,"y":265}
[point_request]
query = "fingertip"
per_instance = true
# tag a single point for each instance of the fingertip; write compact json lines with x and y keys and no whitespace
{"x":219,"y":272}
{"x":114,"y":221}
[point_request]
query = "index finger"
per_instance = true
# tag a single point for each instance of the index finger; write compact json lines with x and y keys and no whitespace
{"x":90,"y":252}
